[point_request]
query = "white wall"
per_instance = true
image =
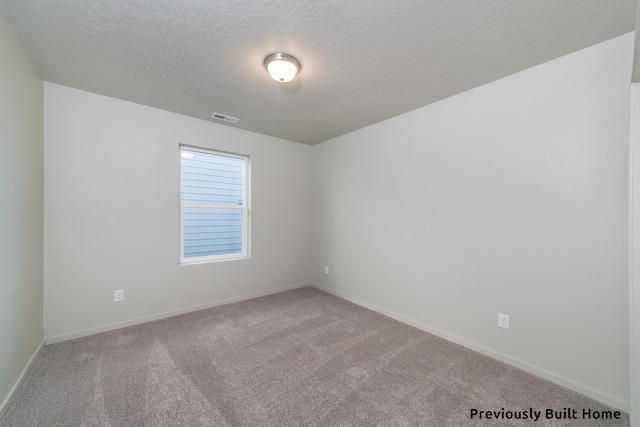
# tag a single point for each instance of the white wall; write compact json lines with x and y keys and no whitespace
{"x":510,"y":198}
{"x":112,"y":214}
{"x":21,"y":211}
{"x":634,"y":255}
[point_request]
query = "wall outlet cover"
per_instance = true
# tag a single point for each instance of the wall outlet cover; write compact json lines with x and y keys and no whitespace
{"x":503,"y":321}
{"x":118,"y":295}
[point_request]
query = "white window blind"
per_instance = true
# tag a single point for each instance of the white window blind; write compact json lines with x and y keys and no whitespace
{"x":213,"y":205}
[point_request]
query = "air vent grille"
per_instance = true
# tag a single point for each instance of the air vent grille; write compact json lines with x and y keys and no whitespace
{"x":225,"y":117}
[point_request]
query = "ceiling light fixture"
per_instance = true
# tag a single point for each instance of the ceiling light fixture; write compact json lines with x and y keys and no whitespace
{"x":282,"y":67}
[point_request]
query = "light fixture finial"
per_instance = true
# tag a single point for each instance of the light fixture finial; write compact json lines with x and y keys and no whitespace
{"x":282,"y":67}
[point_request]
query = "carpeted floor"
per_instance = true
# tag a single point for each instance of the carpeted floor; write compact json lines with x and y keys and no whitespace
{"x":299,"y":358}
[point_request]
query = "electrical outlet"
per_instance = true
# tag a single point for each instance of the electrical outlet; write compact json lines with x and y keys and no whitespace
{"x":503,"y":321}
{"x":118,"y":295}
{"x":326,"y":269}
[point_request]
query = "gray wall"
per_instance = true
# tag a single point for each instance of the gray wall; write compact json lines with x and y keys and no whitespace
{"x":509,"y":198}
{"x":21,"y":210}
{"x":112,"y":194}
{"x":634,"y":294}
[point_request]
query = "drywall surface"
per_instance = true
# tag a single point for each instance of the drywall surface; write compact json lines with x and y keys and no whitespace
{"x":112,"y":179}
{"x":634,"y":253}
{"x":510,"y":198}
{"x":21,"y":210}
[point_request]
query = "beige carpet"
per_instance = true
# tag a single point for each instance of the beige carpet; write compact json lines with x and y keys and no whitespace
{"x":299,"y":358}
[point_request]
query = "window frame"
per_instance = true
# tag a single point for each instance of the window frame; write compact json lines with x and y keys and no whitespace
{"x":244,"y":208}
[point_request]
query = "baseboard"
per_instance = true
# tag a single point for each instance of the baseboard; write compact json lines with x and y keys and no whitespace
{"x":5,"y":403}
{"x":145,"y":319}
{"x":547,"y":375}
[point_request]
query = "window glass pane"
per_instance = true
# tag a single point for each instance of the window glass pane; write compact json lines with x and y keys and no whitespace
{"x":209,"y":231}
{"x":213,"y":191}
{"x":211,"y":178}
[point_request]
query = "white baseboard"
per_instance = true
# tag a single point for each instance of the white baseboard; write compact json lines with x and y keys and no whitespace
{"x":18,"y":383}
{"x":540,"y":372}
{"x":145,"y":319}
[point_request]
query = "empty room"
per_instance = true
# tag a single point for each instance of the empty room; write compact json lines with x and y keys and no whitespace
{"x":285,"y":213}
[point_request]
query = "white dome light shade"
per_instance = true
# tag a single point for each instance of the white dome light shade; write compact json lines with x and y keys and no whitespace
{"x":282,"y":71}
{"x":282,"y":67}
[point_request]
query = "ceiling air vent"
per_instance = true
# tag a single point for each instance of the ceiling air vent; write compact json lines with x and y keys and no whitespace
{"x":225,"y":117}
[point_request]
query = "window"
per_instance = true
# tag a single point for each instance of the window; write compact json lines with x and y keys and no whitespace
{"x":213,"y":205}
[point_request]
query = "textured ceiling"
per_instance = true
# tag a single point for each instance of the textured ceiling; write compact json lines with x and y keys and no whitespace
{"x":363,"y":61}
